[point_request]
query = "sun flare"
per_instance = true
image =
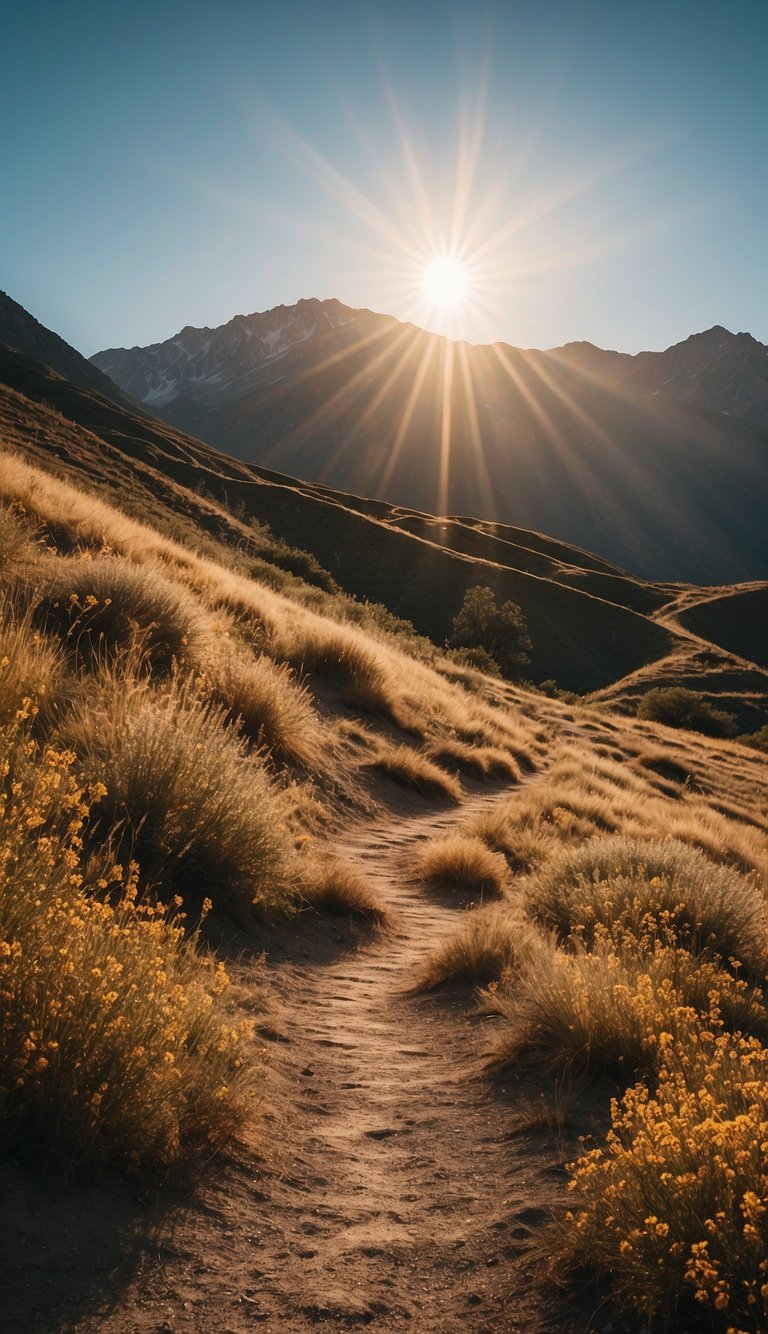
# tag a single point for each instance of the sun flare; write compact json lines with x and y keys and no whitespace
{"x":445,"y":283}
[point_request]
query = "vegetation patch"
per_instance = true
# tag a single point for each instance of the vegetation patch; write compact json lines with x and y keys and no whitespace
{"x":334,"y":886}
{"x":183,"y":797}
{"x":115,"y":1051}
{"x":105,"y":607}
{"x":652,"y":889}
{"x":462,"y":864}
{"x":412,"y":769}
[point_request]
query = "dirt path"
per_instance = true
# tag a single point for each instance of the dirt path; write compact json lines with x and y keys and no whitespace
{"x":397,"y":1194}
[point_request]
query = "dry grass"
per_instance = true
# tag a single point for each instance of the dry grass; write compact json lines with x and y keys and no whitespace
{"x":463,"y":865}
{"x":268,"y":705}
{"x":182,"y":796}
{"x":605,"y":1011}
{"x":649,"y":889}
{"x":483,"y":762}
{"x":412,"y":769}
{"x":493,"y":945}
{"x":334,"y":886}
{"x":104,"y":607}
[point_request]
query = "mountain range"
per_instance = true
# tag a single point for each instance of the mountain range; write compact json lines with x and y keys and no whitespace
{"x":658,"y":461}
{"x":595,"y":628}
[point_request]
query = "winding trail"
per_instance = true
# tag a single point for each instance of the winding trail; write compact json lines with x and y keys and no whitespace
{"x":399,"y":1192}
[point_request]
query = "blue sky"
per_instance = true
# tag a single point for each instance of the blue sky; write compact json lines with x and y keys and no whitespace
{"x":602,"y":169}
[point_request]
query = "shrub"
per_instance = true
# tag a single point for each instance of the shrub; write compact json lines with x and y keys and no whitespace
{"x":604,"y":1012}
{"x":756,"y":740}
{"x":492,"y":944}
{"x":649,"y":889}
{"x":678,"y":707}
{"x":106,"y":607}
{"x":500,"y":631}
{"x":672,"y":1209}
{"x":186,"y":800}
{"x":115,"y":1050}
{"x":334,"y":886}
{"x":462,"y":863}
{"x":268,"y":705}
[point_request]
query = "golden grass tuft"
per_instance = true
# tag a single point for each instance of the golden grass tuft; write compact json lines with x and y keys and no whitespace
{"x":105,"y":607}
{"x":268,"y":705}
{"x":492,"y":945}
{"x":462,"y":864}
{"x":182,"y":796}
{"x":413,"y":769}
{"x":483,"y":762}
{"x":337,"y":887}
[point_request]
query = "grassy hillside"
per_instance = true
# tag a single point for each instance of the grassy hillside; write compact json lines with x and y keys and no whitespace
{"x":205,"y":754}
{"x":591,"y":623}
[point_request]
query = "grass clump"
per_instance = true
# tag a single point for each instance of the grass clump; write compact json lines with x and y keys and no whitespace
{"x":672,"y":1208}
{"x":341,"y":655}
{"x":115,"y":1051}
{"x":269,"y":706}
{"x":412,"y":769}
{"x":183,"y":797}
{"x":106,"y":607}
{"x":652,"y":888}
{"x":32,"y":670}
{"x":491,"y":946}
{"x":14,"y":534}
{"x":462,"y":864}
{"x":483,"y":762}
{"x":606,"y":1012}
{"x":334,"y":886}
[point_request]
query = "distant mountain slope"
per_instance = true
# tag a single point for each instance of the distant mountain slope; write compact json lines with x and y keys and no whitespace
{"x":611,"y":453}
{"x":20,"y":330}
{"x":716,"y":371}
{"x":417,"y":565}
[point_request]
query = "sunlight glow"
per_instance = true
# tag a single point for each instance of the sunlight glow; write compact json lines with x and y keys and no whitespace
{"x":445,"y":283}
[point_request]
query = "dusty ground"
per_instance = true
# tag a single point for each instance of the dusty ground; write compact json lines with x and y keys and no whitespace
{"x":398,"y":1191}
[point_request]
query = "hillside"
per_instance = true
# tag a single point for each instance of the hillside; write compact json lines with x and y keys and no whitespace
{"x":591,"y":623}
{"x":660,"y":462}
{"x":320,"y":950}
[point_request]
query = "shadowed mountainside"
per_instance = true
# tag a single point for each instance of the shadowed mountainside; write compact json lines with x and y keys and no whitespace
{"x":629,"y":455}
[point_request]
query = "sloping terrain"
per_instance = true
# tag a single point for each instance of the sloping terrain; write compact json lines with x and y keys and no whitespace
{"x":619,"y":455}
{"x":432,"y":923}
{"x":419,"y":567}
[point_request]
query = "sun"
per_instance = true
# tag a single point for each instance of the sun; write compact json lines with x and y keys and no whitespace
{"x":446,"y":283}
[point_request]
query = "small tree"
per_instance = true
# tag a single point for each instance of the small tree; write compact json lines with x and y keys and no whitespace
{"x":501,"y":631}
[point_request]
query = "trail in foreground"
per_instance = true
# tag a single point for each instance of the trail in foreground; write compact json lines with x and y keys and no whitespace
{"x":398,"y":1194}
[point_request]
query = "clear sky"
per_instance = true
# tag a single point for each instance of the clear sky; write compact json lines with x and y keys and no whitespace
{"x":600,"y":168}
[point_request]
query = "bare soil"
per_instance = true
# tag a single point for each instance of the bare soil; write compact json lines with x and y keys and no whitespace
{"x":390,"y":1186}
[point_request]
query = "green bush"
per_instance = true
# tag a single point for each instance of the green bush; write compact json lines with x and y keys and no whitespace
{"x":676,"y":706}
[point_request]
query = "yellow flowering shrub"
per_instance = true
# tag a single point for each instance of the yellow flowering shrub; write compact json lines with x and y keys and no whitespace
{"x":115,"y":1046}
{"x":648,"y":887}
{"x":674,"y":1205}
